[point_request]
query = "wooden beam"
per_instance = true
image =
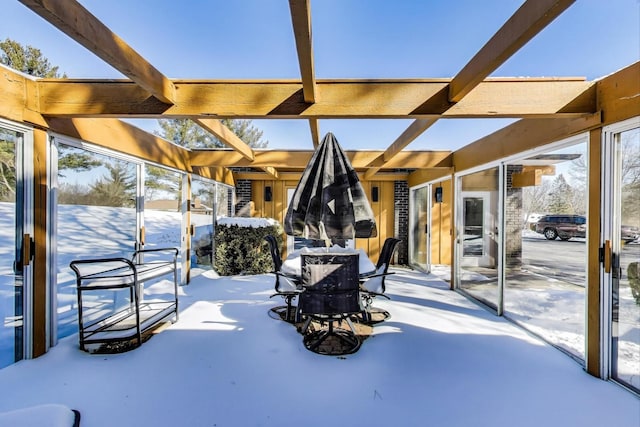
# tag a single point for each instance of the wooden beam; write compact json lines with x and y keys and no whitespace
{"x":314,"y":124}
{"x":531,"y":18}
{"x":520,"y":136}
{"x":421,"y":176}
{"x":226,"y":135}
{"x":411,"y":133}
{"x":287,"y":160}
{"x":548,"y":170}
{"x":337,"y":99}
{"x":74,"y":20}
{"x":619,"y":95}
{"x":219,"y":174}
{"x":124,"y":138}
{"x":528,"y":178}
{"x":295,"y":176}
{"x":19,"y":95}
{"x":271,"y":171}
{"x":301,"y":20}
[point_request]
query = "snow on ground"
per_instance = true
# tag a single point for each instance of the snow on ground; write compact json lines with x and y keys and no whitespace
{"x":439,"y":360}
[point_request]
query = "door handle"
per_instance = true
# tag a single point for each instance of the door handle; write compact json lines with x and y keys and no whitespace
{"x":142,"y":235}
{"x":607,"y":256}
{"x":28,"y":249}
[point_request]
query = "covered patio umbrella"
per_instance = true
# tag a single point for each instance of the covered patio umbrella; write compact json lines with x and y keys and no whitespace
{"x":329,"y":202}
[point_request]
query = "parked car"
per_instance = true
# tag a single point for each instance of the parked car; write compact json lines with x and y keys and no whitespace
{"x":567,"y":226}
{"x":629,"y":233}
{"x":564,"y":226}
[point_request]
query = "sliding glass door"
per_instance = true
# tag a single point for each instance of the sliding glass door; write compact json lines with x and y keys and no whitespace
{"x":15,"y":244}
{"x":420,"y":227}
{"x":478,"y":236}
{"x":545,"y":243}
{"x":621,"y":234}
{"x":96,"y":215}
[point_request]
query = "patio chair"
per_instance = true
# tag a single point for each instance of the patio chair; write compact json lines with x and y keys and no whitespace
{"x":286,"y":286}
{"x":330,"y":296}
{"x":373,"y":285}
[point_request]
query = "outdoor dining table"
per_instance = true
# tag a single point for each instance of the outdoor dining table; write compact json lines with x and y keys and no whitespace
{"x":292,"y":264}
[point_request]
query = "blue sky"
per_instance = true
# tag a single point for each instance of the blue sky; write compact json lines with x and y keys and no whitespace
{"x":253,"y":39}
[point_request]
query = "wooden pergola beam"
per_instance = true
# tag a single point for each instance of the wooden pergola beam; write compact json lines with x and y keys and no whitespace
{"x":287,"y":160}
{"x":271,"y":171}
{"x":226,"y":135}
{"x":314,"y":124}
{"x":301,"y":20}
{"x":531,"y":18}
{"x":521,"y":136}
{"x":516,"y":97}
{"x":74,"y":20}
{"x":295,"y":176}
{"x":412,"y":132}
{"x":124,"y":138}
{"x":525,"y":23}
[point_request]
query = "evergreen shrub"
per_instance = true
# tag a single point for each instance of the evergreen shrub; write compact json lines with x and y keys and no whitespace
{"x":240,"y":247}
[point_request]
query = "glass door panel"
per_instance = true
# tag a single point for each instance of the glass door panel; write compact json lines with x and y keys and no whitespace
{"x":420,"y":227}
{"x":203,"y":205}
{"x":11,"y":235}
{"x":95,"y":204}
{"x":625,"y":348}
{"x":478,"y":244}
{"x":546,"y":246}
{"x":162,"y":208}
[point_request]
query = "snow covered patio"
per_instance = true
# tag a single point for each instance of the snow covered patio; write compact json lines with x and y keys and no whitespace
{"x":441,"y":360}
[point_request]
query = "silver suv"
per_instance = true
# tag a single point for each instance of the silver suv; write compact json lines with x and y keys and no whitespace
{"x":564,"y":226}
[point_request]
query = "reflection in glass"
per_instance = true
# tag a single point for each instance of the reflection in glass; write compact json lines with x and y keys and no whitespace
{"x":626,"y":293}
{"x":545,"y":278}
{"x":96,"y":217}
{"x":478,"y":261}
{"x":203,"y":204}
{"x":162,"y":208}
{"x":211,"y":201}
{"x":473,"y":212}
{"x":11,"y":343}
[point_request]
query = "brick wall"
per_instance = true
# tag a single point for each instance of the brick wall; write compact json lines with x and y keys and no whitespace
{"x":513,"y":221}
{"x":243,"y":197}
{"x":401,"y":215}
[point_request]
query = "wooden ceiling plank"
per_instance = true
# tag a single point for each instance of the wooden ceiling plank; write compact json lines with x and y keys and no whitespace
{"x":74,"y":20}
{"x":301,"y":20}
{"x":226,"y":135}
{"x":353,"y":99}
{"x":531,"y":18}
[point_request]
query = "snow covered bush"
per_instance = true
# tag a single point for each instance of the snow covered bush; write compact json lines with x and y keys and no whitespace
{"x":241,"y":247}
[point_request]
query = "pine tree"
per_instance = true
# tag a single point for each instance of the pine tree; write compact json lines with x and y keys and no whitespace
{"x":560,"y":196}
{"x":27,"y":59}
{"x":187,"y":133}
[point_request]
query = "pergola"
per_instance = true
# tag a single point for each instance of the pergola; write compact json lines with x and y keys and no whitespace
{"x":549,"y":108}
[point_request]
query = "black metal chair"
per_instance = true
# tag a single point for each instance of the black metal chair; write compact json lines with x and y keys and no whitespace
{"x":331,"y":295}
{"x":286,"y":286}
{"x":372,"y":285}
